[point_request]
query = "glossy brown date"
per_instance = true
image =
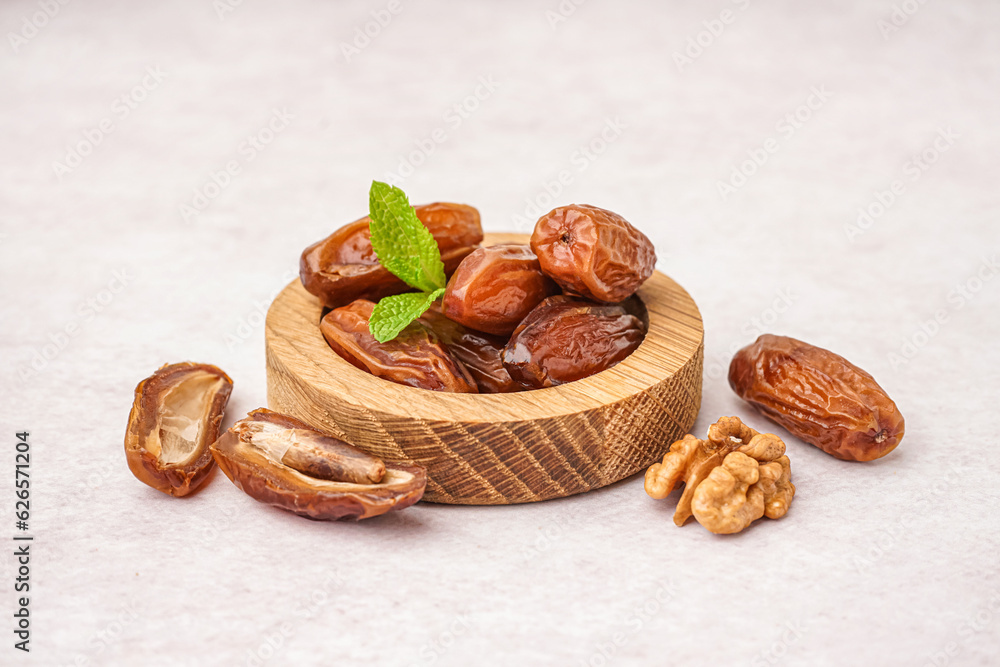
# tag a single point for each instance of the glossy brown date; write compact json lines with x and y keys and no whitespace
{"x":254,"y":454}
{"x":564,"y":339}
{"x":175,"y":417}
{"x":494,"y":288}
{"x":593,"y":252}
{"x":478,"y":352}
{"x":819,"y":396}
{"x":416,"y":357}
{"x":343,"y":267}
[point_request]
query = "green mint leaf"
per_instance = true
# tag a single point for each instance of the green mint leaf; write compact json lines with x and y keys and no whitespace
{"x":401,"y":242}
{"x":393,"y":313}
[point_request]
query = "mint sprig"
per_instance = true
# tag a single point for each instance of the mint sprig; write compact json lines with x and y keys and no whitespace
{"x":393,"y":313}
{"x":407,"y":249}
{"x":401,"y":242}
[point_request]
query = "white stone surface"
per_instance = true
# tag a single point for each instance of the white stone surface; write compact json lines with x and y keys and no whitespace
{"x":888,"y":563}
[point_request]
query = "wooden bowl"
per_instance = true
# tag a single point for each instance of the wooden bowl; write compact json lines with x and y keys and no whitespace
{"x":497,"y":449}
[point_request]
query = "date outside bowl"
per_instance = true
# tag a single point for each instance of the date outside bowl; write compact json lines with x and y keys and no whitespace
{"x":499,"y":449}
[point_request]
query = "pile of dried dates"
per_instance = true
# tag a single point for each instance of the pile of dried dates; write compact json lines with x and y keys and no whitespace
{"x":513,"y":317}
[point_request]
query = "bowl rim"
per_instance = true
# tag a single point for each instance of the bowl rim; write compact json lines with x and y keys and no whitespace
{"x":293,"y":340}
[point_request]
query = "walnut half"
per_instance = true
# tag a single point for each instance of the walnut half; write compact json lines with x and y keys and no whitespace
{"x":732,"y":478}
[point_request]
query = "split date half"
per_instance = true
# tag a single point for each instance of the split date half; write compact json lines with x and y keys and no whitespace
{"x":175,"y":417}
{"x":282,"y":461}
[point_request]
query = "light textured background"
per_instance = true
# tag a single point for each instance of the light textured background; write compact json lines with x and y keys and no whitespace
{"x":887,"y":563}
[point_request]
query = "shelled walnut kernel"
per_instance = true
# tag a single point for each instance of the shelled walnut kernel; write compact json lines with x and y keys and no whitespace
{"x":732,"y":478}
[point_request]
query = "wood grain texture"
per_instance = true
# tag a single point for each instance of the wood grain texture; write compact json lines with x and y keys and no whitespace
{"x":496,"y":449}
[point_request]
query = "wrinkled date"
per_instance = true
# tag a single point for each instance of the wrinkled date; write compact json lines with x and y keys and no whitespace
{"x":494,"y":288}
{"x":593,"y":252}
{"x":282,"y":461}
{"x":416,"y":357}
{"x":175,"y":417}
{"x":819,"y":396}
{"x":564,"y":339}
{"x":478,"y":352}
{"x":343,"y":267}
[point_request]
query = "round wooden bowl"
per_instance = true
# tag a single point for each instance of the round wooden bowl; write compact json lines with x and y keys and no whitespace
{"x":497,"y":449}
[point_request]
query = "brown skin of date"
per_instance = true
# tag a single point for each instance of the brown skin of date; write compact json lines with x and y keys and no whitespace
{"x":495,"y":288}
{"x":343,"y":266}
{"x":818,"y":396}
{"x":479,"y":352}
{"x":416,"y":357}
{"x":267,"y":479}
{"x":593,"y":252}
{"x":157,"y":455}
{"x":565,"y":339}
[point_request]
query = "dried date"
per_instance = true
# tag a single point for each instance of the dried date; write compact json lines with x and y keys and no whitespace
{"x":325,"y":478}
{"x":174,"y":418}
{"x":818,"y":396}
{"x":593,"y":252}
{"x":478,"y":352}
{"x":343,"y":266}
{"x":416,"y":357}
{"x":564,"y":339}
{"x":494,"y":288}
